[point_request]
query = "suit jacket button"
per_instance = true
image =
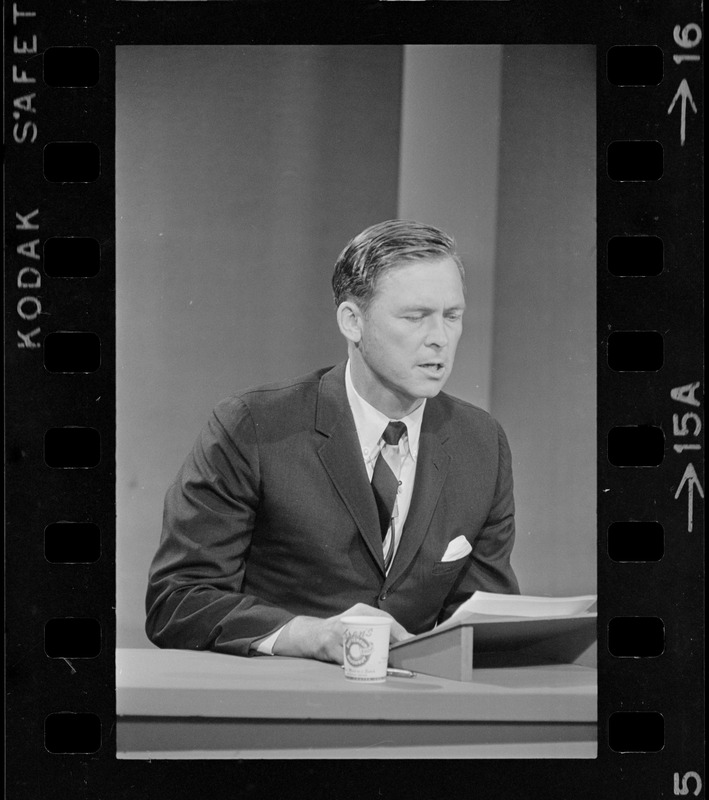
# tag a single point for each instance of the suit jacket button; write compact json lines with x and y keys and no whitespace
{"x":383,"y":596}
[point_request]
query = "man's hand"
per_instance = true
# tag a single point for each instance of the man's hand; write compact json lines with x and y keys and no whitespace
{"x":311,"y":637}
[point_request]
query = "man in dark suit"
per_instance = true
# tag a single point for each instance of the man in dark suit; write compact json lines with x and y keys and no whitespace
{"x":361,"y":488}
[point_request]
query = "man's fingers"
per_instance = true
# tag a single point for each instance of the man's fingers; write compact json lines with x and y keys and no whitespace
{"x":399,"y":633}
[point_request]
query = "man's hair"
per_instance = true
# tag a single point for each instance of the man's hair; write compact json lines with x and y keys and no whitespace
{"x":382,"y":247}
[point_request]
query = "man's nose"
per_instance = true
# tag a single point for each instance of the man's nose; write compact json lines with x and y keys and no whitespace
{"x":436,"y":334}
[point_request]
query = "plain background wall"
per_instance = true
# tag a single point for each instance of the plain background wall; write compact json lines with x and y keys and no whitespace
{"x":241,"y":173}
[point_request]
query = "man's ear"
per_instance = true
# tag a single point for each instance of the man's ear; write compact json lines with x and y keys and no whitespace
{"x":349,"y":319}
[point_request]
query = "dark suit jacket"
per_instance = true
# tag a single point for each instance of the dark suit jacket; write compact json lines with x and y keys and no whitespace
{"x":272,"y":515}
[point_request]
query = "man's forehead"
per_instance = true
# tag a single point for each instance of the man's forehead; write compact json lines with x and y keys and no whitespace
{"x":418,"y":272}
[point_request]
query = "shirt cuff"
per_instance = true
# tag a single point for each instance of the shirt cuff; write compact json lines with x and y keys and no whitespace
{"x":265,"y":646}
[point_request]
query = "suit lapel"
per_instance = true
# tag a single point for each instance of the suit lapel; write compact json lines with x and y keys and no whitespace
{"x":431,"y":470}
{"x":341,"y":456}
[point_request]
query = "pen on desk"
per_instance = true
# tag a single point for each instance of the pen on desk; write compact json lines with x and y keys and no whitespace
{"x":393,"y":672}
{"x":400,"y":673}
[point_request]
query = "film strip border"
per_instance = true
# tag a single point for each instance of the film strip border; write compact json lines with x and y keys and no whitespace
{"x":650,"y":412}
{"x":60,"y":403}
{"x":61,"y":365}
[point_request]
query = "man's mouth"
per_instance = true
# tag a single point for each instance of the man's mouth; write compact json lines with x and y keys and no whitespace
{"x":434,"y":366}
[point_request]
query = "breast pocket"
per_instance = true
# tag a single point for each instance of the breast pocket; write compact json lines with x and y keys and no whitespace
{"x":446,"y":567}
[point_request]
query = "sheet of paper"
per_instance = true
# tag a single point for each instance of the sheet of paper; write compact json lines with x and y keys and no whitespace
{"x":516,"y":605}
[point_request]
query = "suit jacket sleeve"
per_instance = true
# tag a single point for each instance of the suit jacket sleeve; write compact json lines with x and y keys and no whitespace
{"x":489,"y":568}
{"x":195,"y":598}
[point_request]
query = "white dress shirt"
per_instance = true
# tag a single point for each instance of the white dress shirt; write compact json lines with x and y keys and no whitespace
{"x":370,"y":425}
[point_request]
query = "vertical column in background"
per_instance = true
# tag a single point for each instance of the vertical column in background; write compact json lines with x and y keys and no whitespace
{"x":448,"y":177}
{"x":544,"y":343}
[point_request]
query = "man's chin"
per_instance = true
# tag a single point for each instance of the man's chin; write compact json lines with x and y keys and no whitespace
{"x":430,"y":389}
{"x":432,"y":382}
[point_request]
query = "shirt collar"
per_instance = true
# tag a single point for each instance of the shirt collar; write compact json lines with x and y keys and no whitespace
{"x":370,"y":422}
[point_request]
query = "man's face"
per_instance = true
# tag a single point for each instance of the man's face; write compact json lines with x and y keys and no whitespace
{"x":409,"y":335}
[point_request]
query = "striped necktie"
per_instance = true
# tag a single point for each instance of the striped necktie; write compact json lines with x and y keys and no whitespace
{"x":385,"y":483}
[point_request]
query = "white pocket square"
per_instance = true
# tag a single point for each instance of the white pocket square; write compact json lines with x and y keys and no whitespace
{"x":456,"y":549}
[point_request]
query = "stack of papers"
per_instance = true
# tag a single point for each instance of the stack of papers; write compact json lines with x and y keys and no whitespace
{"x":519,"y":605}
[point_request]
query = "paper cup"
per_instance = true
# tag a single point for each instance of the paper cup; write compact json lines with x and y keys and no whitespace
{"x":366,"y":648}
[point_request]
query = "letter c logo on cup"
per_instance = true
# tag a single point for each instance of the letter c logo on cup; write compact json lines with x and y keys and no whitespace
{"x":358,"y":649}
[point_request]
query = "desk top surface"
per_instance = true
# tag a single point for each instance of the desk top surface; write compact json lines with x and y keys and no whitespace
{"x":183,"y":683}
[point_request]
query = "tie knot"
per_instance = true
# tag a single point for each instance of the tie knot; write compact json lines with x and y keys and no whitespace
{"x":393,"y":432}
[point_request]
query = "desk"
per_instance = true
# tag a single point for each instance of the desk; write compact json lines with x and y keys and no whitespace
{"x":187,"y":704}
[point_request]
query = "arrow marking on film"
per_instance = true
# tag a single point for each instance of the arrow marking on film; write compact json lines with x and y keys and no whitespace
{"x":691,"y":479}
{"x":686,"y":95}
